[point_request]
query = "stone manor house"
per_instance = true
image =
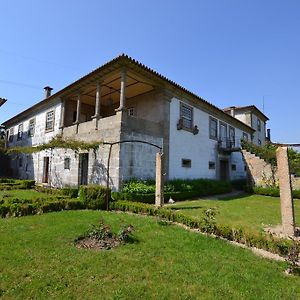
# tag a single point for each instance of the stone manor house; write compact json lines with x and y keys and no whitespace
{"x":126,"y":100}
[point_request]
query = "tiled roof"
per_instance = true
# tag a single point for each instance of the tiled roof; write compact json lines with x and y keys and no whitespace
{"x":123,"y":58}
{"x":247,"y":107}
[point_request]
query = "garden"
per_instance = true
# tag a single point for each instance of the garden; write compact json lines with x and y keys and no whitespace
{"x":79,"y":250}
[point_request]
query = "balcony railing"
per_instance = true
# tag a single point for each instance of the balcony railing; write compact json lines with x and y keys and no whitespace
{"x":229,"y":145}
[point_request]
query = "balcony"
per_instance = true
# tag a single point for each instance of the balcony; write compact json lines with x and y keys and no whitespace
{"x":227,"y":145}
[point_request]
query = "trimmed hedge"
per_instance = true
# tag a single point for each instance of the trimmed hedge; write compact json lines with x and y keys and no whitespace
{"x":93,"y":196}
{"x":272,"y":191}
{"x":18,"y":208}
{"x":252,"y":239}
{"x":178,"y":189}
{"x":15,"y":184}
{"x":72,"y":192}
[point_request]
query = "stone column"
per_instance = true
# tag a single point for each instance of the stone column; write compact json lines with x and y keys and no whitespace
{"x":122,"y":91}
{"x":159,"y":188}
{"x":62,"y":114}
{"x":78,"y":109}
{"x":98,"y":101}
{"x":286,"y":197}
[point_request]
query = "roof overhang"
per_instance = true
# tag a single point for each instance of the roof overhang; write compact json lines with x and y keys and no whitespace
{"x":113,"y":67}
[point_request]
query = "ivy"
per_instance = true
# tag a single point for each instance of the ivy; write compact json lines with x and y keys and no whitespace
{"x":59,"y":143}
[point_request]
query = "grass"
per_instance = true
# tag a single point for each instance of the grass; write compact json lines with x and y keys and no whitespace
{"x":38,"y":260}
{"x":252,"y":212}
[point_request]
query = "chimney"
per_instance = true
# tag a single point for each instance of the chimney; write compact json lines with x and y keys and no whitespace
{"x":48,"y":90}
{"x":232,"y":112}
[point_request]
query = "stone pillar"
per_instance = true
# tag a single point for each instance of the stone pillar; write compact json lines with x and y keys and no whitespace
{"x":62,"y":114}
{"x":98,"y":101}
{"x":78,"y":109}
{"x":286,"y":197}
{"x":122,"y":91}
{"x":159,"y":188}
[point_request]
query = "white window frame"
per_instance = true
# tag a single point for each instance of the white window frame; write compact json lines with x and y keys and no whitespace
{"x":51,"y":121}
{"x":186,"y":115}
{"x":31,"y":127}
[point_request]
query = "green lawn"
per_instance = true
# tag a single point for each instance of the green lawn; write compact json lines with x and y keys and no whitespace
{"x":38,"y":260}
{"x":254,"y":212}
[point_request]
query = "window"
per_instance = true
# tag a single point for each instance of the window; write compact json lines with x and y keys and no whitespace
{"x":186,"y":163}
{"x":31,"y":127}
{"x":131,"y":111}
{"x":186,"y":115}
{"x":233,"y":167}
{"x":259,"y":142}
{"x":213,"y":128}
{"x":20,"y":132}
{"x":11,"y":134}
{"x":245,"y":136}
{"x":258,"y":125}
{"x":231,"y":136}
{"x":67,"y":163}
{"x":49,"y":120}
{"x":211,"y":165}
{"x":245,"y":168}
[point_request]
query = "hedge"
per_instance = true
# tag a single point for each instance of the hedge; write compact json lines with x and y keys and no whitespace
{"x":252,"y":239}
{"x":272,"y":191}
{"x":93,"y":196}
{"x":26,"y":207}
{"x":177,"y":189}
{"x":14,"y":184}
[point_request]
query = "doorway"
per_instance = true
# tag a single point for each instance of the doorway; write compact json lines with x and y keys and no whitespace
{"x":83,"y":168}
{"x":224,"y":170}
{"x":46,"y":170}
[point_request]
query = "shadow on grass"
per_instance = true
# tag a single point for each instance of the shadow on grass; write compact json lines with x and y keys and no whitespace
{"x":186,"y":207}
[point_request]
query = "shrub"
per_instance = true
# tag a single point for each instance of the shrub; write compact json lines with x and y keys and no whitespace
{"x":178,"y":189}
{"x":93,"y":196}
{"x":272,"y":191}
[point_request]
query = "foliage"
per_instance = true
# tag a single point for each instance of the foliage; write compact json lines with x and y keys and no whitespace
{"x":207,"y":224}
{"x":59,"y":143}
{"x":101,"y":231}
{"x":268,"y":153}
{"x":22,"y":207}
{"x":239,"y":184}
{"x":272,"y":191}
{"x":94,"y":196}
{"x":12,"y":184}
{"x":72,"y":192}
{"x":177,"y":189}
{"x":293,"y":260}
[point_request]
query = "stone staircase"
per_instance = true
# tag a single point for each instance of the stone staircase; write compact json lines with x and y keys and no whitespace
{"x":259,"y":171}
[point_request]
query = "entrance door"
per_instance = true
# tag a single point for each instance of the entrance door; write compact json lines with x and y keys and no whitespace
{"x":224,"y":171}
{"x":83,"y":168}
{"x":46,"y":170}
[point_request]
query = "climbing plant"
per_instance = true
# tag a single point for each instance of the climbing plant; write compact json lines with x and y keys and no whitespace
{"x":59,"y":143}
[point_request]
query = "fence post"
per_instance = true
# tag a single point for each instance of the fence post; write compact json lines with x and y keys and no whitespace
{"x":159,"y":184}
{"x":286,"y":196}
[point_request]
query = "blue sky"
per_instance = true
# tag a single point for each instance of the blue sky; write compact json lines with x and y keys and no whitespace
{"x":230,"y":52}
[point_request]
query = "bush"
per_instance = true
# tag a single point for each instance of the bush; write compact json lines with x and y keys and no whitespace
{"x":272,"y":191}
{"x":239,"y":184}
{"x":10,"y":183}
{"x":178,"y":189}
{"x":93,"y":196}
